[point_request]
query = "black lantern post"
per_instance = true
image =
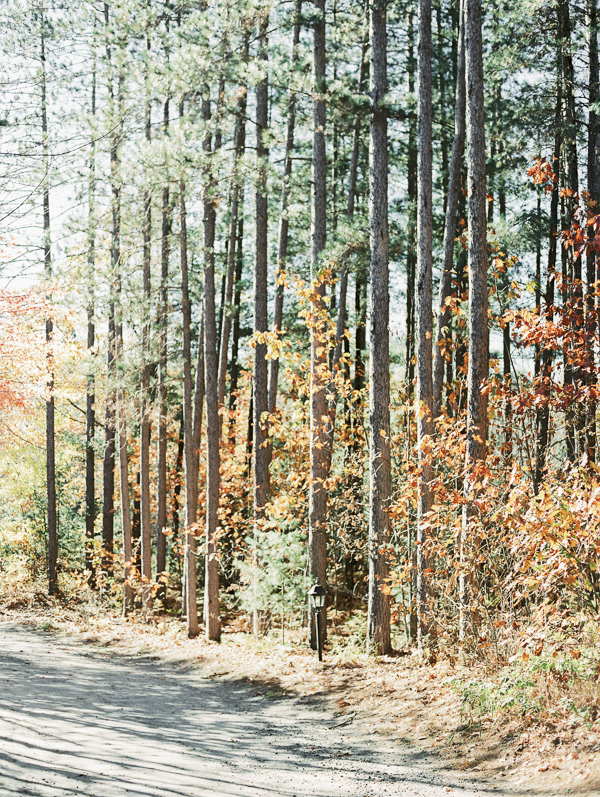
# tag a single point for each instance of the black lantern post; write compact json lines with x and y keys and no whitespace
{"x":317,"y":595}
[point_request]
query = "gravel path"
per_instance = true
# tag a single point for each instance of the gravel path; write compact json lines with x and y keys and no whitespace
{"x":79,"y":722}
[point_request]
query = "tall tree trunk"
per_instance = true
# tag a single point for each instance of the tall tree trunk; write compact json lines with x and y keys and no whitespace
{"x":425,"y":425}
{"x":119,"y":409}
{"x":412,"y":201}
{"x":211,"y":585}
{"x":593,"y":180}
{"x":478,"y":305}
{"x":284,"y":222}
{"x":260,"y":378}
{"x":90,"y":410}
{"x":191,"y":472}
{"x":145,"y":515}
{"x":317,"y":533}
{"x":380,"y":490}
{"x":163,"y":376}
{"x":108,"y":466}
{"x":50,"y":446}
{"x":456,"y":161}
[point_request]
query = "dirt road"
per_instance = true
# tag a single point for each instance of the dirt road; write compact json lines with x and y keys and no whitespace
{"x":80,"y":722}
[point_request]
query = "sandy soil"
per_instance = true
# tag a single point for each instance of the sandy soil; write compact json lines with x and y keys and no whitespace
{"x":77,"y":719}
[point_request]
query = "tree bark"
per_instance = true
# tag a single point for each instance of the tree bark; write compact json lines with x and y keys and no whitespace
{"x":212,"y":620}
{"x":380,"y":488}
{"x":317,"y":533}
{"x":163,"y":375}
{"x":425,"y":424}
{"x":593,"y":180}
{"x":90,"y":406}
{"x":478,"y":307}
{"x":108,"y":466}
{"x":145,"y":515}
{"x":52,"y":519}
{"x":260,"y":450}
{"x":191,"y":472}
{"x":412,"y":201}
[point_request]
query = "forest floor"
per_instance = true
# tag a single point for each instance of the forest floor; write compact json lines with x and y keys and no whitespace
{"x":397,"y":706}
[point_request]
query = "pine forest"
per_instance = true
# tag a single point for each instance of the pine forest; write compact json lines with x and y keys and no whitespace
{"x":306,"y":294}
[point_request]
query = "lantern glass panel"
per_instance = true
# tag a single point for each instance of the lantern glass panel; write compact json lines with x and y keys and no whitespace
{"x":317,"y":596}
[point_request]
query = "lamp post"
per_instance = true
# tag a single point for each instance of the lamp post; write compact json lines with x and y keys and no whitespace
{"x":317,"y":595}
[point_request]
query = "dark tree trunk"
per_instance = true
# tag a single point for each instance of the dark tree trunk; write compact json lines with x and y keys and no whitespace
{"x":478,"y":305}
{"x":378,"y":622}
{"x":108,"y":475}
{"x":145,"y":516}
{"x":191,"y":472}
{"x":163,"y":353}
{"x":425,"y":425}
{"x":163,"y":376}
{"x":90,"y":411}
{"x":411,"y":260}
{"x":52,"y":520}
{"x":260,"y":380}
{"x":114,"y":398}
{"x":212,"y":620}
{"x":317,"y":534}
{"x":593,"y":179}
